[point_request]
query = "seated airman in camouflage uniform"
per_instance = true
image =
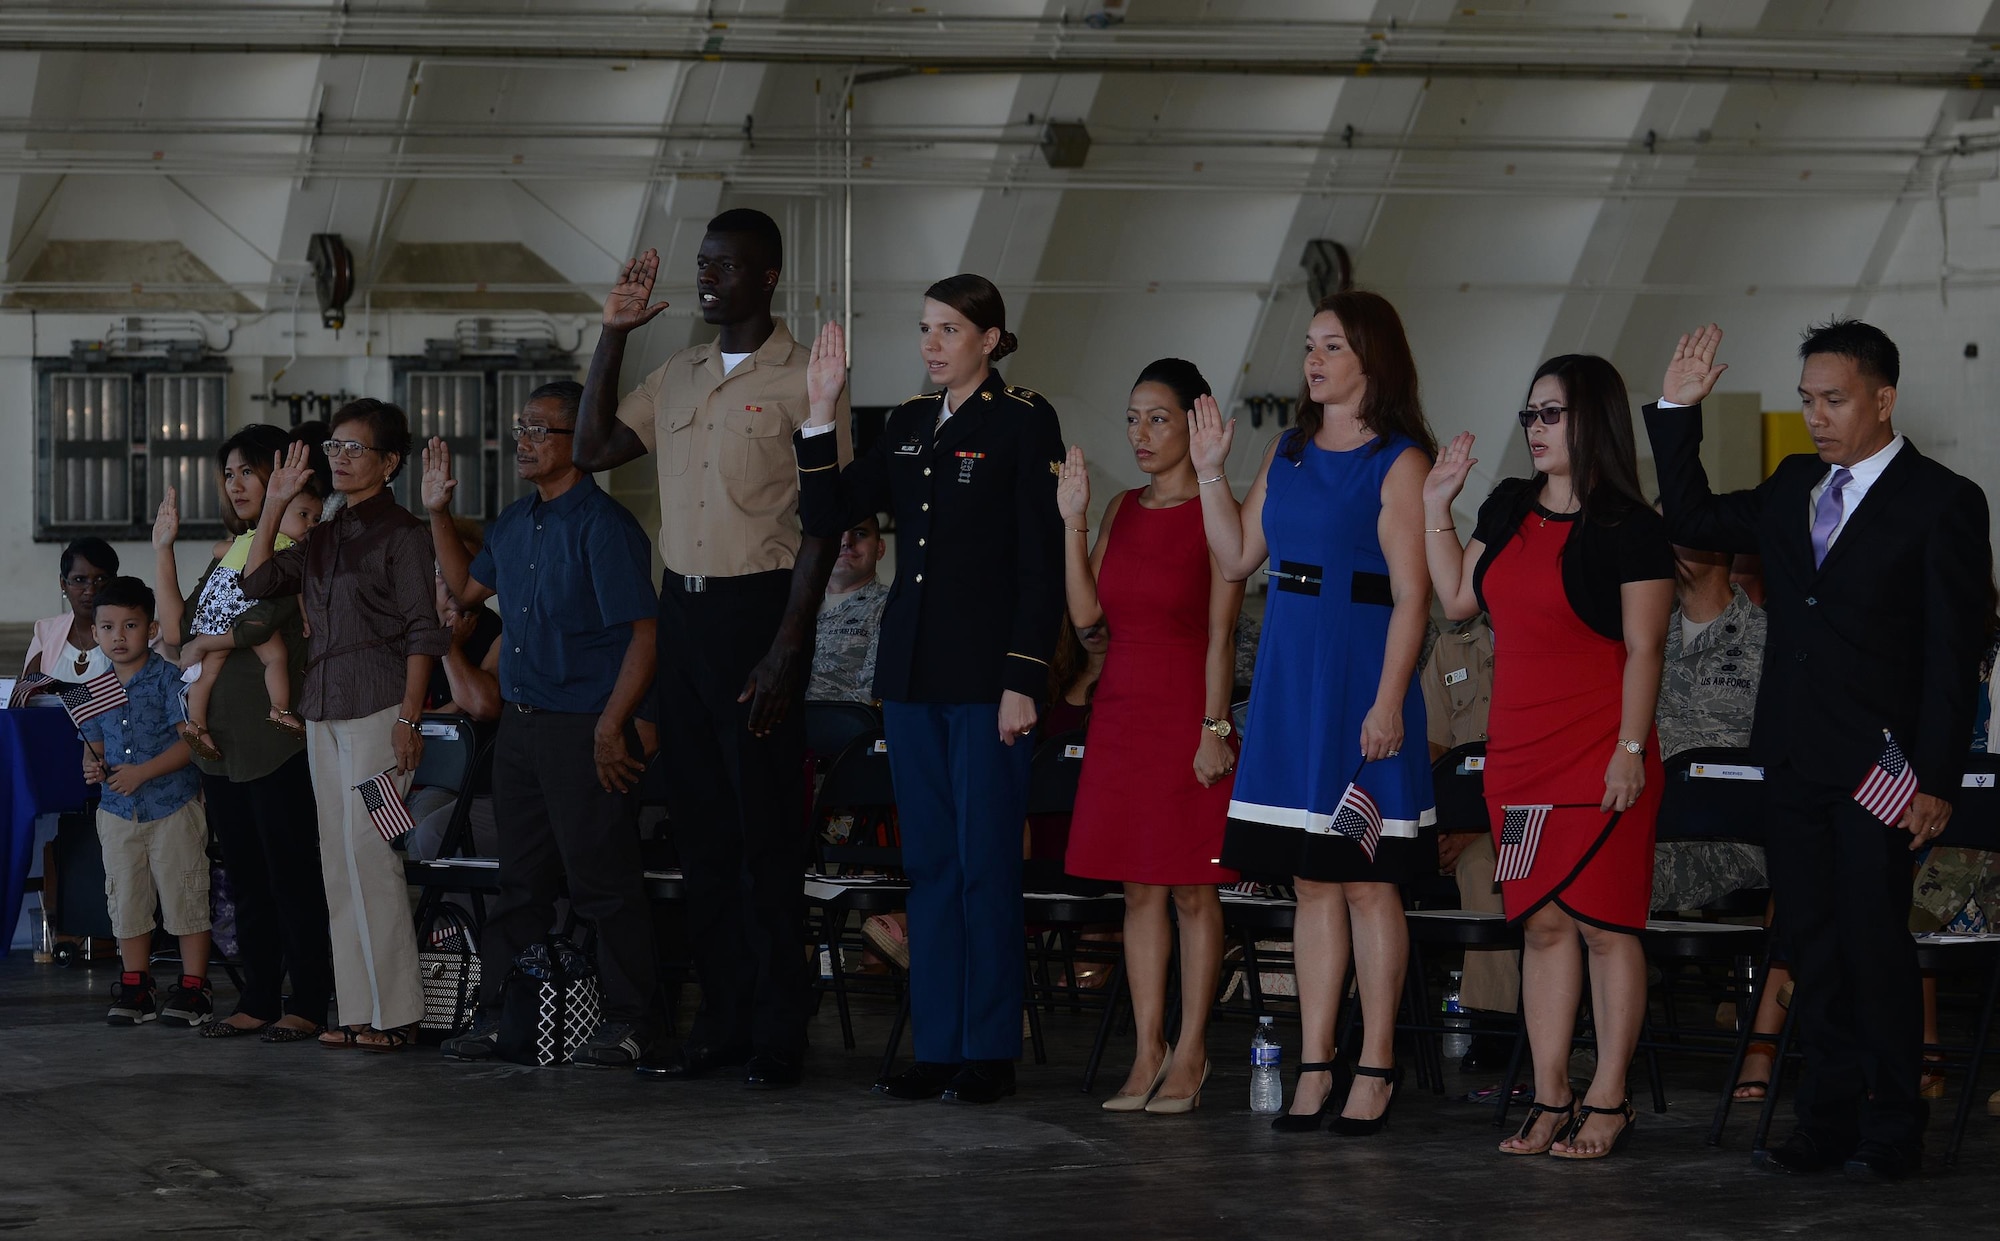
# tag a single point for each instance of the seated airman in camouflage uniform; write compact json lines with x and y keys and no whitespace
{"x":849,"y":618}
{"x":1708,"y":697}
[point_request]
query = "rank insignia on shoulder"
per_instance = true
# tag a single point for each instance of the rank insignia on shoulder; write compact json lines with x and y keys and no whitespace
{"x":1023,"y":394}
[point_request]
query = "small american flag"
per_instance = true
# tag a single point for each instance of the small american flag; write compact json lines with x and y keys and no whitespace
{"x":1358,"y":818}
{"x":94,"y":697}
{"x":27,"y":687}
{"x":1890,"y":786}
{"x":385,"y":805}
{"x":1520,"y":836}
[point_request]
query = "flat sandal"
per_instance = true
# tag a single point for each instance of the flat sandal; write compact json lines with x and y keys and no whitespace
{"x":1585,"y":1113}
{"x":1535,"y":1112}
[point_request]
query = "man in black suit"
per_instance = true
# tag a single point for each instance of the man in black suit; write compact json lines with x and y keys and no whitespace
{"x":1876,"y":564}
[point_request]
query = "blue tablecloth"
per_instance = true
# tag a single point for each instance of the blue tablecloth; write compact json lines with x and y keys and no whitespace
{"x":43,"y":761}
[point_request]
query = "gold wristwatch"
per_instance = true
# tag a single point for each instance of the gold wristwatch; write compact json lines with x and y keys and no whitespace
{"x":1221,"y":728}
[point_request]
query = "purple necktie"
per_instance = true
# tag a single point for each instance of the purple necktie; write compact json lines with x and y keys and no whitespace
{"x":1826,"y":518}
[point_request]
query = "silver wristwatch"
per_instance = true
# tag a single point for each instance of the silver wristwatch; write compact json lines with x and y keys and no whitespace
{"x":1636,"y":748}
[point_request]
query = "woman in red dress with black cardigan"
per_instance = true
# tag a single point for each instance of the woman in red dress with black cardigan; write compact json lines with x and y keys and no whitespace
{"x":1153,"y":798}
{"x":1576,"y":571}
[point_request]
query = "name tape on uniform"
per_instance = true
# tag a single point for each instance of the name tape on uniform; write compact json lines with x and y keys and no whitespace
{"x":1475,"y":762}
{"x":448,"y":732}
{"x":881,"y":746}
{"x":1072,"y":751}
{"x":1453,"y":678}
{"x":1724,"y":771}
{"x":1978,"y":780}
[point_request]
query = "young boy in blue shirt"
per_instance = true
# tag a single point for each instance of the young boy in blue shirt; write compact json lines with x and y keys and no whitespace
{"x":149,"y":821}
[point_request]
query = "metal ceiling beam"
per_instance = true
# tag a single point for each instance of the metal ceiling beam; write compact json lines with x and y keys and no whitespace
{"x":912,"y":138}
{"x":1482,"y":45}
{"x":1553,"y":177}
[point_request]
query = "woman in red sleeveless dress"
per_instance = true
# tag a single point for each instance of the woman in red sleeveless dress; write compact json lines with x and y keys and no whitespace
{"x":1153,"y":798}
{"x":1577,"y":574}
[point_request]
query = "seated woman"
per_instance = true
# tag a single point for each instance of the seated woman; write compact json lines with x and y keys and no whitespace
{"x":63,"y":647}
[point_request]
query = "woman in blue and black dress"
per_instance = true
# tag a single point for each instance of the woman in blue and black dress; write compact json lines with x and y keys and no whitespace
{"x":1337,"y":510}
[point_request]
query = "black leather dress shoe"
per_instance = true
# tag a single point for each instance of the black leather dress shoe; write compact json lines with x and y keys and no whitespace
{"x":921,"y":1080}
{"x":689,"y":1062}
{"x":981,"y":1081}
{"x":1879,"y":1161}
{"x":1804,"y":1153}
{"x":770,"y":1071}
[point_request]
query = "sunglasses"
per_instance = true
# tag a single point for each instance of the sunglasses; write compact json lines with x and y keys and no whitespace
{"x":1549,"y":414}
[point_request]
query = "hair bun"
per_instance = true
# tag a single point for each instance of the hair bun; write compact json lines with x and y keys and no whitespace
{"x":1008,"y":344}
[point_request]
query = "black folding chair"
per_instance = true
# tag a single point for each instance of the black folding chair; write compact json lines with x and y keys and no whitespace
{"x":861,"y":871}
{"x":831,"y":726}
{"x":1058,"y":907}
{"x":453,"y":760}
{"x":1458,"y":783}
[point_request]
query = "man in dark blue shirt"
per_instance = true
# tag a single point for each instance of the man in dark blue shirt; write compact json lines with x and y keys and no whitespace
{"x":573,"y":572}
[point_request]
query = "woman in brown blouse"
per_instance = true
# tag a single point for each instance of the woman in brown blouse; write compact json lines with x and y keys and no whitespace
{"x":365,"y":581}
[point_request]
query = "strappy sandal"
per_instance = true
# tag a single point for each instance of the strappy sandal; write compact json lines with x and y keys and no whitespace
{"x":1762,"y":1087}
{"x":275,"y":1033}
{"x":340,"y":1038}
{"x":395,"y":1039}
{"x":1288,"y":1122}
{"x":296,"y":729}
{"x":197,"y":738}
{"x":1585,"y":1113}
{"x":222,"y":1029}
{"x":1535,"y":1112}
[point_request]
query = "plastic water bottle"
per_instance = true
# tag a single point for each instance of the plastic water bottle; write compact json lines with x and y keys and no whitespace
{"x":1267,"y":1087}
{"x":1458,"y":1043}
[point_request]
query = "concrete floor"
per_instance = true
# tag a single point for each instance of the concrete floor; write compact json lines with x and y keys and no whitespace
{"x":124,"y":1133}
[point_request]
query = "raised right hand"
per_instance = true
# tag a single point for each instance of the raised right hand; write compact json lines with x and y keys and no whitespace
{"x":1692,"y":374}
{"x":826,"y":371}
{"x":1447,"y":477}
{"x":1209,"y":436}
{"x":438,"y":484}
{"x":289,"y":471}
{"x":167,"y":522}
{"x":1073,"y":490}
{"x":625,"y":306}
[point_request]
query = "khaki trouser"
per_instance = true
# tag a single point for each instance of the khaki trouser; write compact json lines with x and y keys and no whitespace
{"x":367,"y":901}
{"x":1492,"y":978}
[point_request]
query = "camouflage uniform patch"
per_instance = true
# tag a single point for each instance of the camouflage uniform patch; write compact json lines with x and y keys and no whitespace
{"x":844,"y":648}
{"x":1691,"y":874}
{"x":1708,"y":689}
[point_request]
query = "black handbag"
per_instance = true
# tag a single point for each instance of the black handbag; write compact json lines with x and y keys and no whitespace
{"x":549,"y":1004}
{"x":448,"y":967}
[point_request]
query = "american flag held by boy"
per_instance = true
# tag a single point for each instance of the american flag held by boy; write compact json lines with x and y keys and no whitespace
{"x":94,"y":697}
{"x":385,"y":805}
{"x":1520,"y":836}
{"x":27,"y":687}
{"x":1359,"y":819}
{"x":1890,"y":786}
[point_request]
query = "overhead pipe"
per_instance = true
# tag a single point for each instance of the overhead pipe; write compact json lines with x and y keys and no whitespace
{"x":1482,"y":46}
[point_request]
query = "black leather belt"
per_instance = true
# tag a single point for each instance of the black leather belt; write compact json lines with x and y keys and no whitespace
{"x":1295,"y":578}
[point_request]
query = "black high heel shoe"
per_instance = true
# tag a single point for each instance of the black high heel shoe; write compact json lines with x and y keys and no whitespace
{"x":1288,"y":1122}
{"x":1351,"y":1127}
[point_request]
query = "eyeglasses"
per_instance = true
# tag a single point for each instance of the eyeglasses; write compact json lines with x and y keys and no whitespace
{"x":1549,"y":414}
{"x":346,"y":448}
{"x":85,"y":582}
{"x":537,"y":434}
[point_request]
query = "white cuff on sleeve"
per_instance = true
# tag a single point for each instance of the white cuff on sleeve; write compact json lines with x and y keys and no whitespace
{"x":807,"y":432}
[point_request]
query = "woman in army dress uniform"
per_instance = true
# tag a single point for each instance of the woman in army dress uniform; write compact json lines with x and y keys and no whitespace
{"x":961,"y":666}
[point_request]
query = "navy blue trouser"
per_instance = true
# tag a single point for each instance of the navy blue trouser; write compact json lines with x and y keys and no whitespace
{"x":962,"y":801}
